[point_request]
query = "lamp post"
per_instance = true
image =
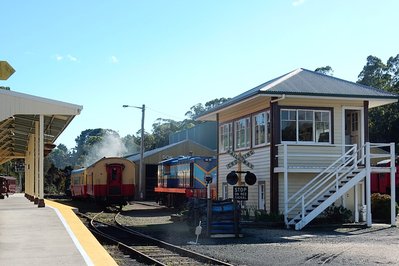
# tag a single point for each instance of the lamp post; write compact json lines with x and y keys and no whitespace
{"x":141,"y":172}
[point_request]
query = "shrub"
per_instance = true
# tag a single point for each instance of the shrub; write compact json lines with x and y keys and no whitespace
{"x":263,"y":216}
{"x":337,"y":214}
{"x":381,"y":207}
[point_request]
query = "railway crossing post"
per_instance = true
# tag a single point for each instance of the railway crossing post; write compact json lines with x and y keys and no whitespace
{"x":240,"y":193}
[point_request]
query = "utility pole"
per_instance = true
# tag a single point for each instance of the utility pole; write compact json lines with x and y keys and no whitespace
{"x":141,"y":170}
{"x":141,"y":176}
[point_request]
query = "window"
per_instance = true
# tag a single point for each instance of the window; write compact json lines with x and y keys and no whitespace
{"x":261,"y":195}
{"x":242,"y":133}
{"x":288,"y":125}
{"x":113,"y":174}
{"x":355,"y":121}
{"x":226,"y":137}
{"x":305,"y":125}
{"x":261,"y":128}
{"x":322,"y":125}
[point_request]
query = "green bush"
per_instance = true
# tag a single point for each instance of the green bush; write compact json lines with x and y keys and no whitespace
{"x":263,"y":216}
{"x":337,"y":214}
{"x":381,"y":207}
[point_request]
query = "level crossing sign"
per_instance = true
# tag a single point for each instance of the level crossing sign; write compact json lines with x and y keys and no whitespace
{"x":240,"y":193}
{"x":240,"y":159}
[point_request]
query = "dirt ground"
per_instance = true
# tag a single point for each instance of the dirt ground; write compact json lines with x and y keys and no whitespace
{"x":343,"y":245}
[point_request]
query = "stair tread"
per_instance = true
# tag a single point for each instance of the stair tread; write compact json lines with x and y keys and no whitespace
{"x":331,"y":193}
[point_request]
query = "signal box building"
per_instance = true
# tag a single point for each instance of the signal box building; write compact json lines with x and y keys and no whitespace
{"x":305,"y":137}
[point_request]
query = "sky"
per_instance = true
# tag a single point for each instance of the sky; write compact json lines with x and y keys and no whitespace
{"x":171,"y":55}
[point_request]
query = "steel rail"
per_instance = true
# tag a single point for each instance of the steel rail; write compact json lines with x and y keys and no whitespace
{"x":145,"y":248}
{"x":181,"y":251}
{"x":133,"y":253}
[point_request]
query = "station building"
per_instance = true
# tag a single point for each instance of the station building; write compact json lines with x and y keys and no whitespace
{"x":29,"y":126}
{"x":305,"y":137}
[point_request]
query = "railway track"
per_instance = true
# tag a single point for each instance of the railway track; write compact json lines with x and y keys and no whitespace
{"x":147,"y":249}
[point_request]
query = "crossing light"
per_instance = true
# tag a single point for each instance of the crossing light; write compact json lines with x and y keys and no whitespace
{"x":232,"y":177}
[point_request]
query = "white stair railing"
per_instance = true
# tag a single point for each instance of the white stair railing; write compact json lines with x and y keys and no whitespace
{"x":332,"y":183}
{"x":337,"y":169}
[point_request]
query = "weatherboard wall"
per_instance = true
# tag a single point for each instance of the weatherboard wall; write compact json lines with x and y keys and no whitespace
{"x":261,"y":161}
{"x":245,"y":109}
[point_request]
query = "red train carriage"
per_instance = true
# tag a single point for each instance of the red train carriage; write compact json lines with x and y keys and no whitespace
{"x":183,"y":177}
{"x":109,"y":180}
{"x":7,"y":186}
{"x":381,"y":182}
{"x":79,"y":183}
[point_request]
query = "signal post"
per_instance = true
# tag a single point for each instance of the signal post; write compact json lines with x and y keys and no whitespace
{"x":240,"y":192}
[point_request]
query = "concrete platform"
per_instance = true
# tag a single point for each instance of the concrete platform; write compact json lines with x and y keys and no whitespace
{"x":52,"y":235}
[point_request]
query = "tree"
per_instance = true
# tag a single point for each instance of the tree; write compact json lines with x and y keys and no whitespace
{"x":198,"y":109}
{"x":327,"y":70}
{"x":149,"y":142}
{"x":215,"y":102}
{"x":61,"y":156}
{"x":89,"y":142}
{"x":375,"y":74}
{"x":384,"y":120}
{"x":195,"y":110}
{"x":131,"y":143}
{"x":161,"y":130}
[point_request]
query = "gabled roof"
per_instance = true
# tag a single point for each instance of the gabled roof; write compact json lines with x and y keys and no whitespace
{"x":302,"y":82}
{"x":18,"y":114}
{"x":136,"y":157}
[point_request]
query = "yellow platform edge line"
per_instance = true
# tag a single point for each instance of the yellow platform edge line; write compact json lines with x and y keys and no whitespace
{"x":96,"y":252}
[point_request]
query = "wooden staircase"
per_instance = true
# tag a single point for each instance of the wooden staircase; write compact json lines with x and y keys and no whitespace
{"x":323,"y":190}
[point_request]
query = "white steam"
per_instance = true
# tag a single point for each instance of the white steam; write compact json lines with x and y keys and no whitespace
{"x":110,"y":146}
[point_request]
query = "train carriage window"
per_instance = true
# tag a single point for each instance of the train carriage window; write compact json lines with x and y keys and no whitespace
{"x":114,"y":174}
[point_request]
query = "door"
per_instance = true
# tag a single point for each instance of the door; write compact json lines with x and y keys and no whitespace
{"x":261,"y":196}
{"x":114,"y":177}
{"x":353,"y":127}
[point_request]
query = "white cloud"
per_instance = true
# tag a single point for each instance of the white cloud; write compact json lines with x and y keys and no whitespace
{"x":72,"y":58}
{"x":67,"y":57}
{"x":298,"y":2}
{"x":113,"y":59}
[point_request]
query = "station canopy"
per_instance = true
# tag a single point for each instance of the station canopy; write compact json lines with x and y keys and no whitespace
{"x":18,"y":114}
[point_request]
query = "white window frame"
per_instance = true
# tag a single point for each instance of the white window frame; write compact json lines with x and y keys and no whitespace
{"x":227,"y":127}
{"x":314,"y":140}
{"x":265,"y":125}
{"x":242,"y":127}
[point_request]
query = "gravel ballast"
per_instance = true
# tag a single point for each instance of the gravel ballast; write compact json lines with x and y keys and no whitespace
{"x":345,"y":245}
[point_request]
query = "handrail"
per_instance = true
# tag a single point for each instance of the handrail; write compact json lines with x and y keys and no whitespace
{"x":334,"y":169}
{"x":316,"y":183}
{"x":324,"y":181}
{"x":330,"y":177}
{"x":339,"y":160}
{"x":326,"y":188}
